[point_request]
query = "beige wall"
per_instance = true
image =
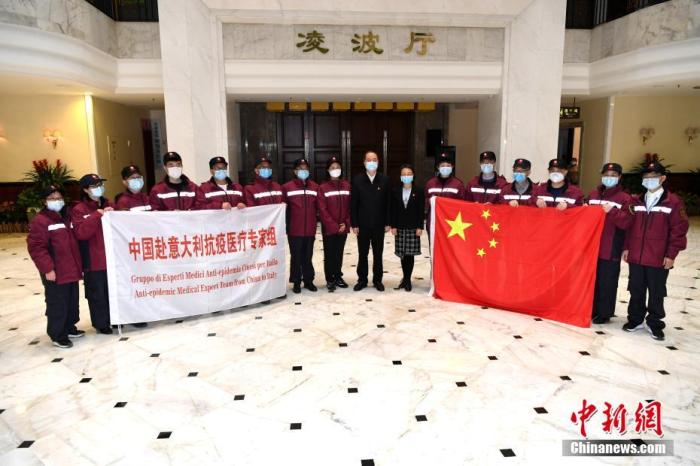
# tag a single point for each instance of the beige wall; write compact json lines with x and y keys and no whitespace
{"x":118,"y":141}
{"x":669,"y":116}
{"x":463,"y":134}
{"x":23,"y":120}
{"x":594,"y":116}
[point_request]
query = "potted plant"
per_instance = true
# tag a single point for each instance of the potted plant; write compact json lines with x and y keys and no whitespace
{"x":632,"y":181}
{"x":43,"y":174}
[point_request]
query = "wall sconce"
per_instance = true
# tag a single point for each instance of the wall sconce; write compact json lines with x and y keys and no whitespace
{"x":646,"y":134}
{"x":52,"y":136}
{"x":692,"y":133}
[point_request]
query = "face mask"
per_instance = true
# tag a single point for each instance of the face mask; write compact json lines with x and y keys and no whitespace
{"x":519,"y":177}
{"x":407,"y":179}
{"x":486,"y":168}
{"x":335,"y":173}
{"x":174,"y":172}
{"x":371,"y":166}
{"x":97,"y":192}
{"x":302,"y":174}
{"x":135,"y":184}
{"x":55,"y":205}
{"x":651,"y":183}
{"x":445,"y":171}
{"x":556,"y":177}
{"x":220,"y":174}
{"x":265,"y":172}
{"x":609,"y":181}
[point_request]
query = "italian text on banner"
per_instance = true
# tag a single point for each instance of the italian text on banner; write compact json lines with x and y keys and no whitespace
{"x":164,"y":265}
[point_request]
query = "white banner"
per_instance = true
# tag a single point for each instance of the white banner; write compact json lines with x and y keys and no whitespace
{"x":164,"y":265}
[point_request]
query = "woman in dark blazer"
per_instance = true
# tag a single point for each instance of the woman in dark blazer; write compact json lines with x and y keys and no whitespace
{"x":407,"y":219}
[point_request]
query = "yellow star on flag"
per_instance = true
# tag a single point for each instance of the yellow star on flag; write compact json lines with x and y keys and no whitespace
{"x":457,"y":226}
{"x":493,"y":243}
{"x":494,"y":226}
{"x":480,"y":252}
{"x":486,"y":214}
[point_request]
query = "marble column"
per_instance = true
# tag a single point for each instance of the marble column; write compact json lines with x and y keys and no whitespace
{"x":531,"y":91}
{"x":193,"y":84}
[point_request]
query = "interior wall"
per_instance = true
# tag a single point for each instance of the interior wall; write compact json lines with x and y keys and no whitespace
{"x":118,"y":141}
{"x":23,"y":119}
{"x":463,"y":135}
{"x":594,"y":117}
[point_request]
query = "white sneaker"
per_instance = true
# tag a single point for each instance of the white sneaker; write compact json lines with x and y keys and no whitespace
{"x":628,"y":328}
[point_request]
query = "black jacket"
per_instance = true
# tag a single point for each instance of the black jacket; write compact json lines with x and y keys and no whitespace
{"x":369,"y":201}
{"x":410,"y":217}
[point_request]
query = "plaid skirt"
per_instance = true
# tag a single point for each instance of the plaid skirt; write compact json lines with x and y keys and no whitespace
{"x":407,"y":243}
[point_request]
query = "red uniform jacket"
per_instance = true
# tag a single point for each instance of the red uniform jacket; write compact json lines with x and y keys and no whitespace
{"x":658,"y":233}
{"x":130,"y":201}
{"x":302,"y":207}
{"x":168,"y":196}
{"x":212,"y":195}
{"x":52,"y":246}
{"x":509,"y":193}
{"x":571,"y":195}
{"x":617,"y":221}
{"x":262,"y":192}
{"x":477,"y":190}
{"x":451,"y":187}
{"x":87,"y":224}
{"x":334,"y":206}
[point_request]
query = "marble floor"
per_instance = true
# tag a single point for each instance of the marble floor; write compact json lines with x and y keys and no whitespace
{"x":347,"y":378}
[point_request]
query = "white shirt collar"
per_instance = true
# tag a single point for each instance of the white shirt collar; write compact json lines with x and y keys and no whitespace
{"x":371,"y":177}
{"x":652,"y":198}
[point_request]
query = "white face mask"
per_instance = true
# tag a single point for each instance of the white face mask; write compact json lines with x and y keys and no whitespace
{"x":55,"y":204}
{"x":335,"y":173}
{"x":174,"y":172}
{"x":556,"y":177}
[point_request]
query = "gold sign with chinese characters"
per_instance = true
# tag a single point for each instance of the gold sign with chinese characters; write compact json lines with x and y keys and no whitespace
{"x":364,"y":43}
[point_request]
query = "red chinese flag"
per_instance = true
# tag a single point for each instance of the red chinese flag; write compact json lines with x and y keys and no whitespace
{"x":524,"y":259}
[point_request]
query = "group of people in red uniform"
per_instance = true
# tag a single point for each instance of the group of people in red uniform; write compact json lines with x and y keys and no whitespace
{"x":648,"y":231}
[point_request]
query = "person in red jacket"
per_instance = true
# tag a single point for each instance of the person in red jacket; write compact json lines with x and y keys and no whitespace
{"x":486,"y":187}
{"x":87,"y":223}
{"x":54,"y":250}
{"x":220,"y":192}
{"x":615,"y":202}
{"x":133,"y":198}
{"x":657,"y":235}
{"x":301,"y":196}
{"x":334,"y":210}
{"x":176,"y":191}
{"x":443,"y":184}
{"x":263,"y":190}
{"x":557,"y":191}
{"x":519,"y":192}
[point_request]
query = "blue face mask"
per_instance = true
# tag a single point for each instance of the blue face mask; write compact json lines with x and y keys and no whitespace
{"x":265,"y":172}
{"x":445,"y":171}
{"x":302,"y":174}
{"x":651,"y":183}
{"x":135,"y":184}
{"x":55,"y":205}
{"x":97,"y":192}
{"x":220,"y":174}
{"x":486,"y":168}
{"x":407,"y":179}
{"x":371,"y":166}
{"x":519,"y":177}
{"x":610,"y":181}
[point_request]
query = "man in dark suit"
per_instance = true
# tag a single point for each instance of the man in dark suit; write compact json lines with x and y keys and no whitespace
{"x":369,"y":215}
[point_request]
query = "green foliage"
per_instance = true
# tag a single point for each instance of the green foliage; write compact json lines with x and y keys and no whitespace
{"x":42,"y":175}
{"x":632,"y":181}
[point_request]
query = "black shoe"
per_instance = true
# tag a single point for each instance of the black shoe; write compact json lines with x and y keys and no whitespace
{"x":140,"y":325}
{"x":76,"y":333}
{"x":359,"y":286}
{"x":63,"y":343}
{"x":408,"y":287}
{"x":105,"y":331}
{"x":601,"y":320}
{"x":657,"y":334}
{"x":340,"y":283}
{"x":310,"y":286}
{"x":632,"y":328}
{"x":401,"y":285}
{"x":379,"y":286}
{"x":296,"y":288}
{"x":330,"y":286}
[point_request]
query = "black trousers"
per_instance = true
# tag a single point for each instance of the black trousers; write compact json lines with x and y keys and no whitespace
{"x":333,"y":248}
{"x":301,"y":249}
{"x":407,"y":267}
{"x":645,"y":279}
{"x":97,"y":297}
{"x":375,"y":238}
{"x":61,"y":308}
{"x":606,"y":278}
